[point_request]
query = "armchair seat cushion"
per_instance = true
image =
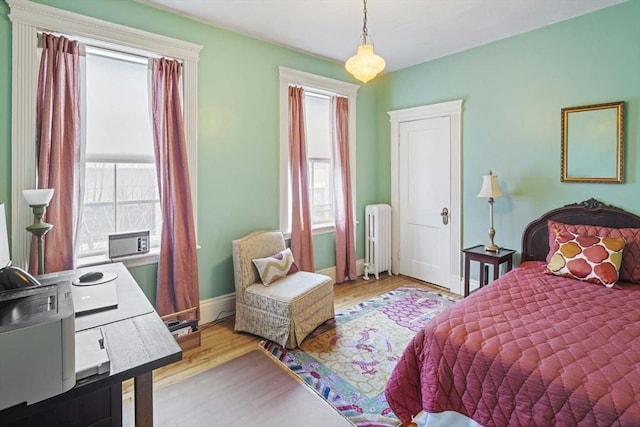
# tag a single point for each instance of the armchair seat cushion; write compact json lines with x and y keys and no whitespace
{"x":289,"y":293}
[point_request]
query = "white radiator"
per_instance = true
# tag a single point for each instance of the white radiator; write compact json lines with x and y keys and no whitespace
{"x":377,"y":252}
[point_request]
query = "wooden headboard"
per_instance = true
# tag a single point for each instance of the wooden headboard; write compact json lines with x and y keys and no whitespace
{"x":535,"y":238}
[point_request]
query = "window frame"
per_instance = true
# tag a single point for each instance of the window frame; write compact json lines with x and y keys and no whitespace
{"x":28,"y":19}
{"x":115,"y":160}
{"x":323,"y":85}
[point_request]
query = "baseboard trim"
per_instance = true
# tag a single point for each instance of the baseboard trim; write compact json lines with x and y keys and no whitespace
{"x":331,"y":271}
{"x":214,"y":309}
{"x":217,"y":308}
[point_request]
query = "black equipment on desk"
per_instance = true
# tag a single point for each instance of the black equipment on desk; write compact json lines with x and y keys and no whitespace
{"x":12,"y":278}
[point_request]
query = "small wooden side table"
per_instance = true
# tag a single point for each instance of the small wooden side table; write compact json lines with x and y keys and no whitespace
{"x":479,"y":254}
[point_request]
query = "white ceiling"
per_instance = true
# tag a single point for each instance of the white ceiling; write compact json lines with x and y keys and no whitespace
{"x":405,"y":32}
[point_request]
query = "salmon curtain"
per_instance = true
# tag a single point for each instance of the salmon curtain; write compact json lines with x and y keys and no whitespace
{"x":58,"y":150}
{"x":177,"y":287}
{"x":301,"y":234}
{"x":345,"y":233}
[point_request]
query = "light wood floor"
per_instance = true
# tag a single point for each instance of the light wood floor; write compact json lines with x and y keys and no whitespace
{"x":220,"y":343}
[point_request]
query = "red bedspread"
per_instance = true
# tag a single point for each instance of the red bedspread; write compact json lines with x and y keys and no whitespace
{"x":528,"y":350}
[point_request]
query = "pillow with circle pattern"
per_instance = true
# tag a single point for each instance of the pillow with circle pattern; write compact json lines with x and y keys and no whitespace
{"x":275,"y":266}
{"x":630,"y":268}
{"x":593,"y":259}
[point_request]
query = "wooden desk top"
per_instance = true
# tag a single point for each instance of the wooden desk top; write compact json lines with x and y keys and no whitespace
{"x":131,"y":301}
{"x":136,"y":339}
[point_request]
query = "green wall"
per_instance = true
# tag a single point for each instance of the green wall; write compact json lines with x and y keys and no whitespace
{"x":238,"y":132}
{"x":513,"y":91}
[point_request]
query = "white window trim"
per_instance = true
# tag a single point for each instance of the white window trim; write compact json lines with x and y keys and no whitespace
{"x":129,"y":261}
{"x":291,"y":77}
{"x":28,"y":19}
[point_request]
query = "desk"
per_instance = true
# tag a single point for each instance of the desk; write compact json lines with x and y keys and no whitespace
{"x":479,"y":254}
{"x":137,"y":342}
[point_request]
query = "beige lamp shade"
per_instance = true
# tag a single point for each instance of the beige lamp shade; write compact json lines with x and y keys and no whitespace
{"x":490,"y":186}
{"x":365,"y":65}
{"x":39,"y":197}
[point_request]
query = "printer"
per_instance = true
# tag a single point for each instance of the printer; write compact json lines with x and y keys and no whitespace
{"x":37,"y":341}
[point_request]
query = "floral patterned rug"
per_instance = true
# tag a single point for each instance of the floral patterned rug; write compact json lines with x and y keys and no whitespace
{"x":348,"y":360}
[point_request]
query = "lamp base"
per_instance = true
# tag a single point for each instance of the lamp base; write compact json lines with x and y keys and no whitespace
{"x":492,"y":247}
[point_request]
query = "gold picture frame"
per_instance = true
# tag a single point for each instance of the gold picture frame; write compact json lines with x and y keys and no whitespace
{"x":592,"y":147}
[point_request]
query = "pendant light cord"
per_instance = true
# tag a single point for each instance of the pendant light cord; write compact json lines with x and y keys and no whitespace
{"x":365,"y":32}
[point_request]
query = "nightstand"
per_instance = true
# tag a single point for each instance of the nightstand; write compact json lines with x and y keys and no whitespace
{"x":485,"y":258}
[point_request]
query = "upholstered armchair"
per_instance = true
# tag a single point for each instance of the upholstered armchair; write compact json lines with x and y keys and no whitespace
{"x":288,"y":309}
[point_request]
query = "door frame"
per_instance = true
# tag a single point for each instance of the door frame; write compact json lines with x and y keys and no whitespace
{"x":453,"y":110}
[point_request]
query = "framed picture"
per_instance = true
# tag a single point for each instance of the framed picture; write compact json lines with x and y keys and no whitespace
{"x":593,"y":143}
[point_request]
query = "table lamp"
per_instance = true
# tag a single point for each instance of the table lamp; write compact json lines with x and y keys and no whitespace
{"x":490,"y":189}
{"x":38,"y":200}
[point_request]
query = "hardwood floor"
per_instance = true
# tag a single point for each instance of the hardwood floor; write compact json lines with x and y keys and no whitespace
{"x":220,"y":343}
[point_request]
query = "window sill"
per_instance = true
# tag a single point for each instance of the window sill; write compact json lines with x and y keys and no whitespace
{"x":324,"y":229}
{"x":150,"y":257}
{"x":321,"y":229}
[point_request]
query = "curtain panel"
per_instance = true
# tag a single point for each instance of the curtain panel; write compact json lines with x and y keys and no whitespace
{"x":177,"y":287}
{"x":301,"y":233}
{"x":344,"y":220}
{"x":58,"y":150}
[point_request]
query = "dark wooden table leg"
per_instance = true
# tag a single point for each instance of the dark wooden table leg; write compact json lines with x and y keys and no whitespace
{"x":483,"y":277}
{"x":496,"y":271}
{"x":143,"y":386}
{"x":116,"y":405}
{"x":467,"y":263}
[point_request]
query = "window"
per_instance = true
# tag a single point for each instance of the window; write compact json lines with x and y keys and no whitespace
{"x":318,"y":93}
{"x":28,"y":18}
{"x":317,"y":108}
{"x":120,"y":185}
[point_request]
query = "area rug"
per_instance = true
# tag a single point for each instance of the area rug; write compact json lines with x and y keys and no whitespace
{"x":349,"y":359}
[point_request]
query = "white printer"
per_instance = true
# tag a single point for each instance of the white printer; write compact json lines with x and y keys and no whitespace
{"x":37,"y":343}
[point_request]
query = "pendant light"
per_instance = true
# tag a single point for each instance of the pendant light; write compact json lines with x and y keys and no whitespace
{"x":365,"y":65}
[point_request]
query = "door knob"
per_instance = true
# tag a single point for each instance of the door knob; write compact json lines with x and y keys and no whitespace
{"x":445,"y":216}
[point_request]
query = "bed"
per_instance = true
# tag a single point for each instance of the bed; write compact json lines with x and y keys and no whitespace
{"x":535,"y":349}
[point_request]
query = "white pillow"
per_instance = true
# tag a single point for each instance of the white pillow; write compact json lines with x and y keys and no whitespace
{"x":275,"y":266}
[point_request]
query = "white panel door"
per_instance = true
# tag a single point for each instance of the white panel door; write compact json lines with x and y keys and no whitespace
{"x":424,"y":190}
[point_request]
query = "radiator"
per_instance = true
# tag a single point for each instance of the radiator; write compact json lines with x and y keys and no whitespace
{"x":377,"y":253}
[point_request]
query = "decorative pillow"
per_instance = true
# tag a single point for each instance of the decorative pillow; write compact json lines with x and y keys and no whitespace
{"x":275,"y":266}
{"x":590,"y":258}
{"x":630,"y":268}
